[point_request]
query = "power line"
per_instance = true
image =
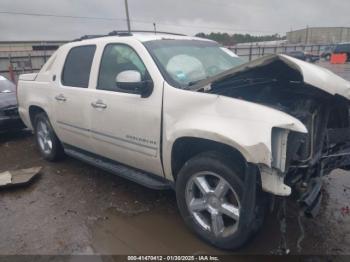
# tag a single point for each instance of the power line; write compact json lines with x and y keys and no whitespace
{"x":61,"y":16}
{"x":229,"y":29}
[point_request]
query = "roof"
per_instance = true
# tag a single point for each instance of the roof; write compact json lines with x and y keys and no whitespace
{"x":143,"y":36}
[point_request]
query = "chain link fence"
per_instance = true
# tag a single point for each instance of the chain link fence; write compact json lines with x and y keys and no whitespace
{"x":252,"y":52}
{"x":14,"y":63}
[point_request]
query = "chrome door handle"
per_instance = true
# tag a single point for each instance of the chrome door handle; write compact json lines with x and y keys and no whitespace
{"x":99,"y":104}
{"x":61,"y":98}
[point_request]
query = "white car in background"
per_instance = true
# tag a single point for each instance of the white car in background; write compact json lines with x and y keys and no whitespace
{"x":172,"y":111}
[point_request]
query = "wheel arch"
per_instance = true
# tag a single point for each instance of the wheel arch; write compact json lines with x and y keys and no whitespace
{"x":184,"y":148}
{"x":33,"y":111}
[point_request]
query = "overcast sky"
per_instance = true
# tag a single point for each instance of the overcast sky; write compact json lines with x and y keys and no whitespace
{"x":182,"y":16}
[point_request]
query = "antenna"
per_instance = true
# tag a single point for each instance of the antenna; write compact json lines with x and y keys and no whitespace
{"x":127,"y":15}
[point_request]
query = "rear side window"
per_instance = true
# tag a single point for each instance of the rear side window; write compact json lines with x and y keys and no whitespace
{"x":77,"y":68}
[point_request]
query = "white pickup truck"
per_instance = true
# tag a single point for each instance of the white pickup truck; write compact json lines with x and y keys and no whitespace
{"x":172,"y":111}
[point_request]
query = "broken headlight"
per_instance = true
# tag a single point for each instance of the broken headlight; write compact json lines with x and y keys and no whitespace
{"x":279,"y":143}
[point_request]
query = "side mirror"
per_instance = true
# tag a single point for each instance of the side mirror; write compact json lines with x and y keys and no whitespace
{"x":130,"y":81}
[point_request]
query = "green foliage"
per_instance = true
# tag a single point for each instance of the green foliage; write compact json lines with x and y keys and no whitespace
{"x":227,"y":39}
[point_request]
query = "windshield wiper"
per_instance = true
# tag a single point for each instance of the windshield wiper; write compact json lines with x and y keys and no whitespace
{"x":192,"y":83}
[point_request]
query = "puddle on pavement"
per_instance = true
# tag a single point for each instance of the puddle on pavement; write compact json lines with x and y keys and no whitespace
{"x":154,"y":232}
{"x":159,"y":231}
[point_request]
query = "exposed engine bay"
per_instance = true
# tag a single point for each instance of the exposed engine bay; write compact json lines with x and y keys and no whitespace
{"x":326,"y":116}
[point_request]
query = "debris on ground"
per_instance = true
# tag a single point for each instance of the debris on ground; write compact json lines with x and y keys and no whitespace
{"x":18,"y":177}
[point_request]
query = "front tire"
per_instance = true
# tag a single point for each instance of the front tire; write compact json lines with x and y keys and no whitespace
{"x":216,"y":202}
{"x":48,"y":143}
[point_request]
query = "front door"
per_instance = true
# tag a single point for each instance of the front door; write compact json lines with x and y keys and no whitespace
{"x":126,"y":127}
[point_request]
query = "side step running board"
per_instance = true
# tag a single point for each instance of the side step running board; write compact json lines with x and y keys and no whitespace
{"x":137,"y":176}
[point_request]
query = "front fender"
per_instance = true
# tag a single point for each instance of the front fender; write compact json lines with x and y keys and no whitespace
{"x":243,"y":125}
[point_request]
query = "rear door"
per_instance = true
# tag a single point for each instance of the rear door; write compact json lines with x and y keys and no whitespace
{"x":72,"y":96}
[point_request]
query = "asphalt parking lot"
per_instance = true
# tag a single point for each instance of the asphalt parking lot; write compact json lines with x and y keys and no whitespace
{"x":73,"y":208}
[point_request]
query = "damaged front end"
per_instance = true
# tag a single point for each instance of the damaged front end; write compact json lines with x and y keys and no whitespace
{"x":315,"y":96}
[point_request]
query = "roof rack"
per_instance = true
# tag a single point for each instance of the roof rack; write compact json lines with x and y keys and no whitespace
{"x":85,"y":37}
{"x":120,"y":33}
{"x":129,"y":33}
{"x":123,"y":33}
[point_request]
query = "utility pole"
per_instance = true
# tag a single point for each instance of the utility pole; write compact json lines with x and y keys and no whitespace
{"x":155,"y":28}
{"x":307,"y":35}
{"x":127,"y":15}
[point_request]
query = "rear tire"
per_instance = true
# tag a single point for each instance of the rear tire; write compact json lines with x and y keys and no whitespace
{"x":48,"y":143}
{"x":225,"y":220}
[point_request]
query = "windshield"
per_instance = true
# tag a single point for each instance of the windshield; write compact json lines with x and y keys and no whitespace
{"x":186,"y":62}
{"x":6,"y":86}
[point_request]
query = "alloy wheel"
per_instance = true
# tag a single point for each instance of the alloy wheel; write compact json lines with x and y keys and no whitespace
{"x":44,"y":137}
{"x":213,"y":203}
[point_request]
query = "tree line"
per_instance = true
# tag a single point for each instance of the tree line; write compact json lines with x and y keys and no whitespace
{"x":232,"y":39}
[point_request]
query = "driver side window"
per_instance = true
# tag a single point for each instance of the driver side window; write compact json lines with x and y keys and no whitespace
{"x":118,"y":58}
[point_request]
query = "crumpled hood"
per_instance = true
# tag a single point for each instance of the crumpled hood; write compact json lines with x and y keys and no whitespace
{"x":320,"y":77}
{"x":311,"y":74}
